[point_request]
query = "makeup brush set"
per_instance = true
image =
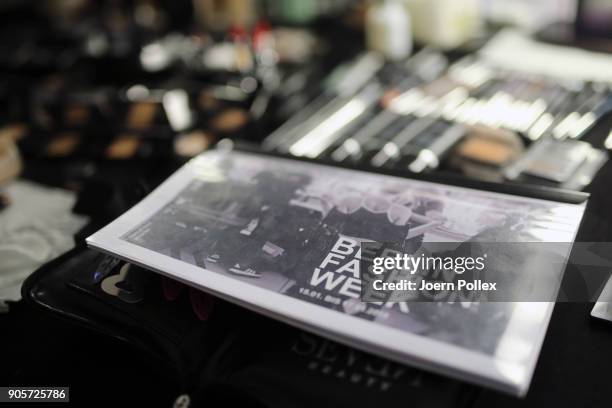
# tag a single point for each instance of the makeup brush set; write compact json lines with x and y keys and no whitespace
{"x":484,"y":122}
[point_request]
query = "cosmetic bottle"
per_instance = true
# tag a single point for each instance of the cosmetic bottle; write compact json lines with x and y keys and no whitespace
{"x":444,"y":23}
{"x":388,"y":29}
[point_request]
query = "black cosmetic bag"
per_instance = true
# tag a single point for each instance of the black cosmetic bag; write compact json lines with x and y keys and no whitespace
{"x":218,"y":352}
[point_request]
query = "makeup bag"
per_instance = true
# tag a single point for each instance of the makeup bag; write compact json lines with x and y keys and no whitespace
{"x":217,"y":352}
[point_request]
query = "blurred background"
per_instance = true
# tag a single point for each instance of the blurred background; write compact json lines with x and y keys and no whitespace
{"x":88,"y":88}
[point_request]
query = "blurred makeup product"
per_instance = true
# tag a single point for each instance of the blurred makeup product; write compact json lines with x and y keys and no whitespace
{"x":329,"y":125}
{"x":344,"y":82}
{"x":367,"y":149}
{"x":555,"y":98}
{"x":552,"y":160}
{"x":430,"y":151}
{"x":229,"y":57}
{"x":420,"y":119}
{"x":141,"y":115}
{"x":532,"y":105}
{"x":485,"y":152}
{"x":177,"y":109}
{"x":568,"y":163}
{"x":440,"y":87}
{"x":164,"y":53}
{"x":353,"y":147}
{"x":230,"y":120}
{"x":123,"y":147}
{"x":581,"y":115}
{"x":591,"y":113}
{"x":368,"y":134}
{"x":444,"y":23}
{"x":389,"y":29}
{"x":267,"y":70}
{"x":471,"y":72}
{"x":490,"y":146}
{"x":293,"y":11}
{"x":585,"y":174}
{"x":10,"y":160}
{"x":294,"y":45}
{"x":192,"y":144}
{"x":358,"y":122}
{"x":207,"y":101}
{"x":608,"y":141}
{"x":221,"y":15}
{"x":63,"y":144}
{"x":76,"y":115}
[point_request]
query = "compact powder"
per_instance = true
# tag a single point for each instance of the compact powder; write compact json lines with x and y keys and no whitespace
{"x":76,"y":115}
{"x":486,"y":151}
{"x":63,"y":145}
{"x":123,"y":147}
{"x":141,"y":115}
{"x":230,"y":120}
{"x":192,"y":144}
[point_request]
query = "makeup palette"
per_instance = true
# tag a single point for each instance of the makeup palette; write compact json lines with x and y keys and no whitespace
{"x":141,"y":115}
{"x":63,"y":144}
{"x":125,"y":146}
{"x":485,"y":152}
{"x":230,"y":120}
{"x":193,"y":143}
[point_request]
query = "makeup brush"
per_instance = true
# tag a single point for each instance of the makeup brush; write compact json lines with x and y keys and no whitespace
{"x":608,"y":141}
{"x":341,"y":85}
{"x":429,"y":157}
{"x":391,"y":150}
